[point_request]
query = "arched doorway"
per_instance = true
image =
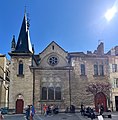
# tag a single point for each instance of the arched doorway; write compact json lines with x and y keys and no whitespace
{"x":100,"y":99}
{"x":19,"y":104}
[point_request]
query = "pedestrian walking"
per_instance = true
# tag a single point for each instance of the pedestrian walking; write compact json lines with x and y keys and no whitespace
{"x":101,"y":109}
{"x":45,"y":109}
{"x":1,"y":116}
{"x":98,"y":108}
{"x":82,"y":109}
{"x":92,"y":114}
{"x":28,"y":113}
{"x":51,"y":108}
{"x":32,"y":112}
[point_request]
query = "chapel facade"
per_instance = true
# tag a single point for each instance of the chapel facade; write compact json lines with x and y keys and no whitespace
{"x":55,"y":76}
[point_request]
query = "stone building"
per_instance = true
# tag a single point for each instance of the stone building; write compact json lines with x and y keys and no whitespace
{"x":4,"y":81}
{"x":54,"y":76}
{"x":113,"y":76}
{"x":89,"y":68}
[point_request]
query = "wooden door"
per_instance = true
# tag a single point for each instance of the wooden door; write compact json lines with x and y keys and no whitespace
{"x":116,"y":102}
{"x":100,"y":99}
{"x":19,"y":106}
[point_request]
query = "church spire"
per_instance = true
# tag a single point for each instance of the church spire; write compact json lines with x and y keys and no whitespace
{"x":13,"y":44}
{"x":23,"y":43}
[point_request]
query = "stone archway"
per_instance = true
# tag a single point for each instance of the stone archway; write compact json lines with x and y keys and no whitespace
{"x":100,"y":98}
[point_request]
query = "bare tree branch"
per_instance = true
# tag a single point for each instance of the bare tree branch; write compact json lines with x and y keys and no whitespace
{"x":96,"y":87}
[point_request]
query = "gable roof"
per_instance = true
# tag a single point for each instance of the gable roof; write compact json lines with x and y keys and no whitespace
{"x":54,"y":43}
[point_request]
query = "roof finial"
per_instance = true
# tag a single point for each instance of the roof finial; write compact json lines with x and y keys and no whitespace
{"x":25,"y":10}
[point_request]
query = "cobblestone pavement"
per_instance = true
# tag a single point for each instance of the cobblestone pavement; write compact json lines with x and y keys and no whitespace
{"x":60,"y":116}
{"x":76,"y":116}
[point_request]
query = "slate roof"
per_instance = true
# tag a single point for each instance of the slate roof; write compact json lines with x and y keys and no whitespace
{"x":23,"y":44}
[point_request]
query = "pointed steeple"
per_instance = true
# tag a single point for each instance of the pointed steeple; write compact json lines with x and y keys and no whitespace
{"x":24,"y":44}
{"x":13,"y":44}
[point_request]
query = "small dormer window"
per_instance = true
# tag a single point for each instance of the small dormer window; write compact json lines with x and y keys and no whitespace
{"x":52,"y":47}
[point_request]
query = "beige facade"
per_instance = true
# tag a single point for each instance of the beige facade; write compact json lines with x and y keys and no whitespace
{"x":4,"y":80}
{"x":20,"y":85}
{"x":55,"y":68}
{"x":113,"y":76}
{"x":53,"y":75}
{"x":79,"y":82}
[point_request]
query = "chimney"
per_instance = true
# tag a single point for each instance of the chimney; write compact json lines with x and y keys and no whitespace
{"x":100,"y":49}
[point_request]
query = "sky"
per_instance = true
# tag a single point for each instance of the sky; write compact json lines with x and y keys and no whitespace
{"x":75,"y":25}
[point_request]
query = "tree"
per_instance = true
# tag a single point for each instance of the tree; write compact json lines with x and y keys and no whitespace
{"x":96,"y":87}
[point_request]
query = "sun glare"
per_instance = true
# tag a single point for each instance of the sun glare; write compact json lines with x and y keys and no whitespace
{"x":110,"y":13}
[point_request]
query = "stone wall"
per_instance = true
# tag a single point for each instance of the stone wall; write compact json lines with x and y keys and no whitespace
{"x":20,"y":85}
{"x":79,"y":82}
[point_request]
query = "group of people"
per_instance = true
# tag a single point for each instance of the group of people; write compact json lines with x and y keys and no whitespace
{"x":50,"y":109}
{"x":90,"y":112}
{"x":30,"y":111}
{"x":70,"y":109}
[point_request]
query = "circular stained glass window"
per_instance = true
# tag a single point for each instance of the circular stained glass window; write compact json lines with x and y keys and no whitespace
{"x":53,"y":60}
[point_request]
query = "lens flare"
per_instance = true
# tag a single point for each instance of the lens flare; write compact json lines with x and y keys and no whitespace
{"x":110,"y":13}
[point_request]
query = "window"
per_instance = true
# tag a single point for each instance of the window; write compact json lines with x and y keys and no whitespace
{"x":114,"y":67}
{"x":95,"y":69}
{"x":50,"y":93}
{"x":101,"y":70}
{"x":20,"y":72}
{"x":44,"y":93}
{"x":116,"y":82}
{"x":52,"y":47}
{"x":82,"y":69}
{"x":53,"y":60}
{"x":58,"y":93}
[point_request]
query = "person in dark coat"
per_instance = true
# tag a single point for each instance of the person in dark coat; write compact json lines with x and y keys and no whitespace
{"x":72,"y":109}
{"x":92,"y":114}
{"x":32,"y":112}
{"x":101,"y":109}
{"x":28,"y":113}
{"x":82,"y":109}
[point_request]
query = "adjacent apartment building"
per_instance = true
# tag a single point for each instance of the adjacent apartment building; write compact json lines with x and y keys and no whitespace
{"x":113,"y":76}
{"x":4,"y":81}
